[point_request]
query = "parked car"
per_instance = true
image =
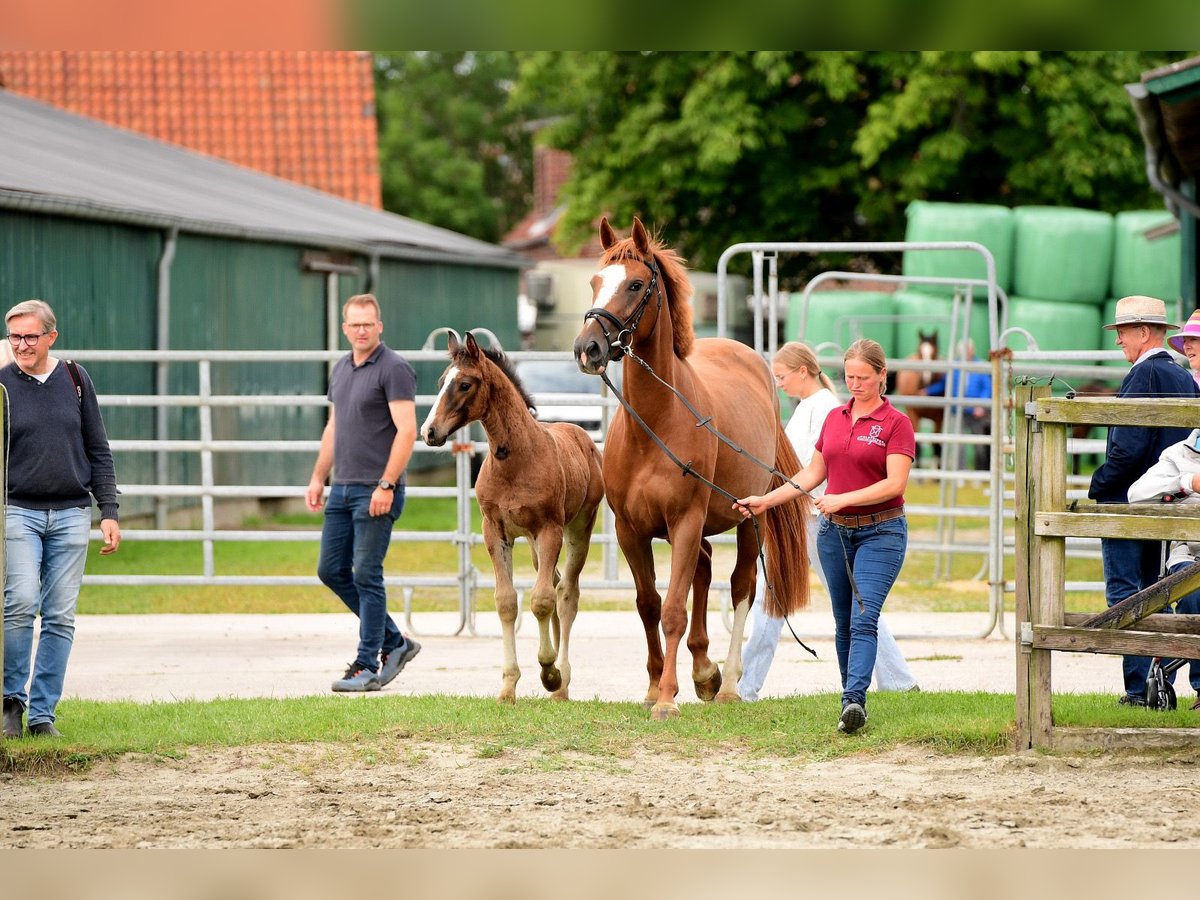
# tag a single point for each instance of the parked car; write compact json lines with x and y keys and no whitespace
{"x":561,"y":392}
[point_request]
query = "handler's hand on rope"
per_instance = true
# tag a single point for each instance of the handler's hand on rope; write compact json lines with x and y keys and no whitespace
{"x":750,"y":506}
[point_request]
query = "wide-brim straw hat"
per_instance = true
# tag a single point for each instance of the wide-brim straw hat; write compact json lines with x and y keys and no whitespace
{"x":1138,"y":310}
{"x":1191,"y":328}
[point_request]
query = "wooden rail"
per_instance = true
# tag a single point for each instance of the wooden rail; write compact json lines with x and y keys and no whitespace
{"x":1044,"y":520}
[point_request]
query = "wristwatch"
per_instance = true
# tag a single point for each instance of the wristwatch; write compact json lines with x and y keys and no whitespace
{"x":387,"y":485}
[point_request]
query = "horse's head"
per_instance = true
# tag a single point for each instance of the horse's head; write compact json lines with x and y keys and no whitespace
{"x":461,"y":391}
{"x":927,"y":345}
{"x":637,"y":280}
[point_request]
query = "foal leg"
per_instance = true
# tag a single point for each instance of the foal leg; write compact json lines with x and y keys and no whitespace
{"x":548,"y":545}
{"x":577,"y":539}
{"x":705,"y":674}
{"x":500,"y":550}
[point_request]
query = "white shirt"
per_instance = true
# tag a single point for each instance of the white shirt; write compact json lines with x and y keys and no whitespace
{"x":804,"y":427}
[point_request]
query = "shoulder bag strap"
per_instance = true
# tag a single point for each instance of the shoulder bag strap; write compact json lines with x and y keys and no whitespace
{"x":73,"y":370}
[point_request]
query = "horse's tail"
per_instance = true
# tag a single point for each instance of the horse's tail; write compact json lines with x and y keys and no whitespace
{"x":786,"y":540}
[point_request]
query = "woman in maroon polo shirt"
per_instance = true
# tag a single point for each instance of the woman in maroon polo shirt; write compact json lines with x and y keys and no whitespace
{"x":865,"y":451}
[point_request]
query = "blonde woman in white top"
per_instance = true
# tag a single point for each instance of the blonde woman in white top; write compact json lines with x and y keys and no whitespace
{"x":798,"y":374}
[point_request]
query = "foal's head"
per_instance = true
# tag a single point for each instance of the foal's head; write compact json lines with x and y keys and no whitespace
{"x":468,"y":388}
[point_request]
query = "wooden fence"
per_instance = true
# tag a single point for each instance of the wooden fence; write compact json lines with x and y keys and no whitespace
{"x":1044,"y":519}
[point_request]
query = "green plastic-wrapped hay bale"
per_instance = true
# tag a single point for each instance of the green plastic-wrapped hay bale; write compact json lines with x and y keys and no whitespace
{"x":983,"y":223}
{"x":1141,"y":265}
{"x":925,"y":312}
{"x":1056,"y":324}
{"x":841,"y":317}
{"x":1061,"y":253}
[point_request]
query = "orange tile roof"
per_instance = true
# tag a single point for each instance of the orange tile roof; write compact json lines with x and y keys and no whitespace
{"x":306,"y":116}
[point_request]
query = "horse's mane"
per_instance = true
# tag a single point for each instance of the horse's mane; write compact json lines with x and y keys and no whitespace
{"x":504,"y":364}
{"x":673,"y":281}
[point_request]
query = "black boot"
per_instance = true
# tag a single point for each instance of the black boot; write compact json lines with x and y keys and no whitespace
{"x":13,"y":711}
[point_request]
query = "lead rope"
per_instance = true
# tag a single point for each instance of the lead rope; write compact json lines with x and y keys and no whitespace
{"x":706,"y":422}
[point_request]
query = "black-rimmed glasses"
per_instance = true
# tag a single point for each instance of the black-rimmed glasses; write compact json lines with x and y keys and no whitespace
{"x":30,"y":340}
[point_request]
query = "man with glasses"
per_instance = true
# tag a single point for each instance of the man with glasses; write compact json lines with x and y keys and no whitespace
{"x":366,"y":444}
{"x":58,"y":460}
{"x":1131,"y":566}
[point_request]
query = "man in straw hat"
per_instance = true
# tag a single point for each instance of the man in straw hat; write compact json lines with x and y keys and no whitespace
{"x":1131,"y":565}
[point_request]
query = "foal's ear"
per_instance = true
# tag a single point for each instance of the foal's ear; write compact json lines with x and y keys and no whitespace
{"x":641,"y":239}
{"x":472,"y":347}
{"x":608,"y":237}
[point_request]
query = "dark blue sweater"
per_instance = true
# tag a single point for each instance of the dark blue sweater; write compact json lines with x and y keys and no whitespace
{"x":1131,"y":449}
{"x":58,"y":451}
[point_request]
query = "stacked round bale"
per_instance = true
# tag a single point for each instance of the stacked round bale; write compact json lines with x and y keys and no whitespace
{"x":930,"y":306}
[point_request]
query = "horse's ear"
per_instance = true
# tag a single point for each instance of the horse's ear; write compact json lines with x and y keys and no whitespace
{"x":472,"y":347}
{"x":608,"y":237}
{"x":451,"y":341}
{"x":641,"y":239}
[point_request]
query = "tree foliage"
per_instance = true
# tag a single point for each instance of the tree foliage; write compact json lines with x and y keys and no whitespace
{"x":452,"y":151}
{"x":713,"y":148}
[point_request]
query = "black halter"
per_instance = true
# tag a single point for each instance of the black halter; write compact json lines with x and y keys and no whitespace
{"x":620,"y":343}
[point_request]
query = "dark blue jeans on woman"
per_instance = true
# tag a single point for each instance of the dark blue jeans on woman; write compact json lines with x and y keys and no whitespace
{"x":353,"y":545}
{"x":874,"y":554}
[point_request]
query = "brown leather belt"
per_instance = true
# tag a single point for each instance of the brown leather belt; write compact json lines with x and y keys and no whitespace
{"x":885,"y":515}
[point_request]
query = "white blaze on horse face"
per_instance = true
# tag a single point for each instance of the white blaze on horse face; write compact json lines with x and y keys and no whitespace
{"x":451,"y":377}
{"x":611,"y":278}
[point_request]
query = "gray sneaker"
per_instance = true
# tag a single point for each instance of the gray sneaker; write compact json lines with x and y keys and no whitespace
{"x":853,"y":718}
{"x":397,"y":659}
{"x":356,"y":680}
{"x":13,"y":710}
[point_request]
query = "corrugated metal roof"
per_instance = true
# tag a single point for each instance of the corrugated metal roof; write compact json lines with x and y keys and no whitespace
{"x":303,"y":115}
{"x":57,"y":162}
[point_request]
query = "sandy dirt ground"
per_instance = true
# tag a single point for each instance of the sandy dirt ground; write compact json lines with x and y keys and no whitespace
{"x":396,"y":794}
{"x":440,"y":797}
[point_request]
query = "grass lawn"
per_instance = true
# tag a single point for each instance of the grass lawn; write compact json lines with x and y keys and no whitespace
{"x":950,"y":722}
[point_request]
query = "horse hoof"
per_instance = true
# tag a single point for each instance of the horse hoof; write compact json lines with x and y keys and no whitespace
{"x":663,"y":711}
{"x":728,"y":697}
{"x":551,"y":678}
{"x":559,"y":697}
{"x":508,"y":698}
{"x":709,"y":688}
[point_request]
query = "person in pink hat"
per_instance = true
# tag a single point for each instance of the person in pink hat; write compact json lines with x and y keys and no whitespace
{"x":1187,"y":342}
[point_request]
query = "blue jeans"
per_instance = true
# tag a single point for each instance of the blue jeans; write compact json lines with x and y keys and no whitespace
{"x":875,"y":554}
{"x":45,"y":551}
{"x":353,"y":545}
{"x":1129,"y":567}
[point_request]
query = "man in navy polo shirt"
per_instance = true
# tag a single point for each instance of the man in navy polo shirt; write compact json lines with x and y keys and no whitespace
{"x":367,"y":444}
{"x":1131,"y":565}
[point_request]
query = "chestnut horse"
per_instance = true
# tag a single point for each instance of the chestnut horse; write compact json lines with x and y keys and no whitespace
{"x":641,"y":308}
{"x":542,"y":482}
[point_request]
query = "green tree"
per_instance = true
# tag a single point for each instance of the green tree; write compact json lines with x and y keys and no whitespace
{"x":452,"y":152}
{"x":719,"y":147}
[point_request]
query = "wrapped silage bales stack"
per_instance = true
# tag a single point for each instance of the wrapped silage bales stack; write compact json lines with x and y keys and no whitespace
{"x":1062,"y":270}
{"x":840,"y":317}
{"x":984,"y":223}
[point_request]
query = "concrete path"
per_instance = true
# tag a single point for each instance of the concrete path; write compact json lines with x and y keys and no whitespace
{"x":173,"y":657}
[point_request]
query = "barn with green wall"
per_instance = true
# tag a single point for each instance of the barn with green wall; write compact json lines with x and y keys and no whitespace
{"x":134,"y":230}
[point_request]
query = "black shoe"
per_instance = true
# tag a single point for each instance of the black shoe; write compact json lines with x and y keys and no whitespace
{"x":853,"y":718}
{"x":1131,"y":700}
{"x":13,"y":710}
{"x":43,"y":729}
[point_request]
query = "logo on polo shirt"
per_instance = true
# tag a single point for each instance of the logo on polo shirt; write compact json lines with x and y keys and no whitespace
{"x":872,"y":437}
